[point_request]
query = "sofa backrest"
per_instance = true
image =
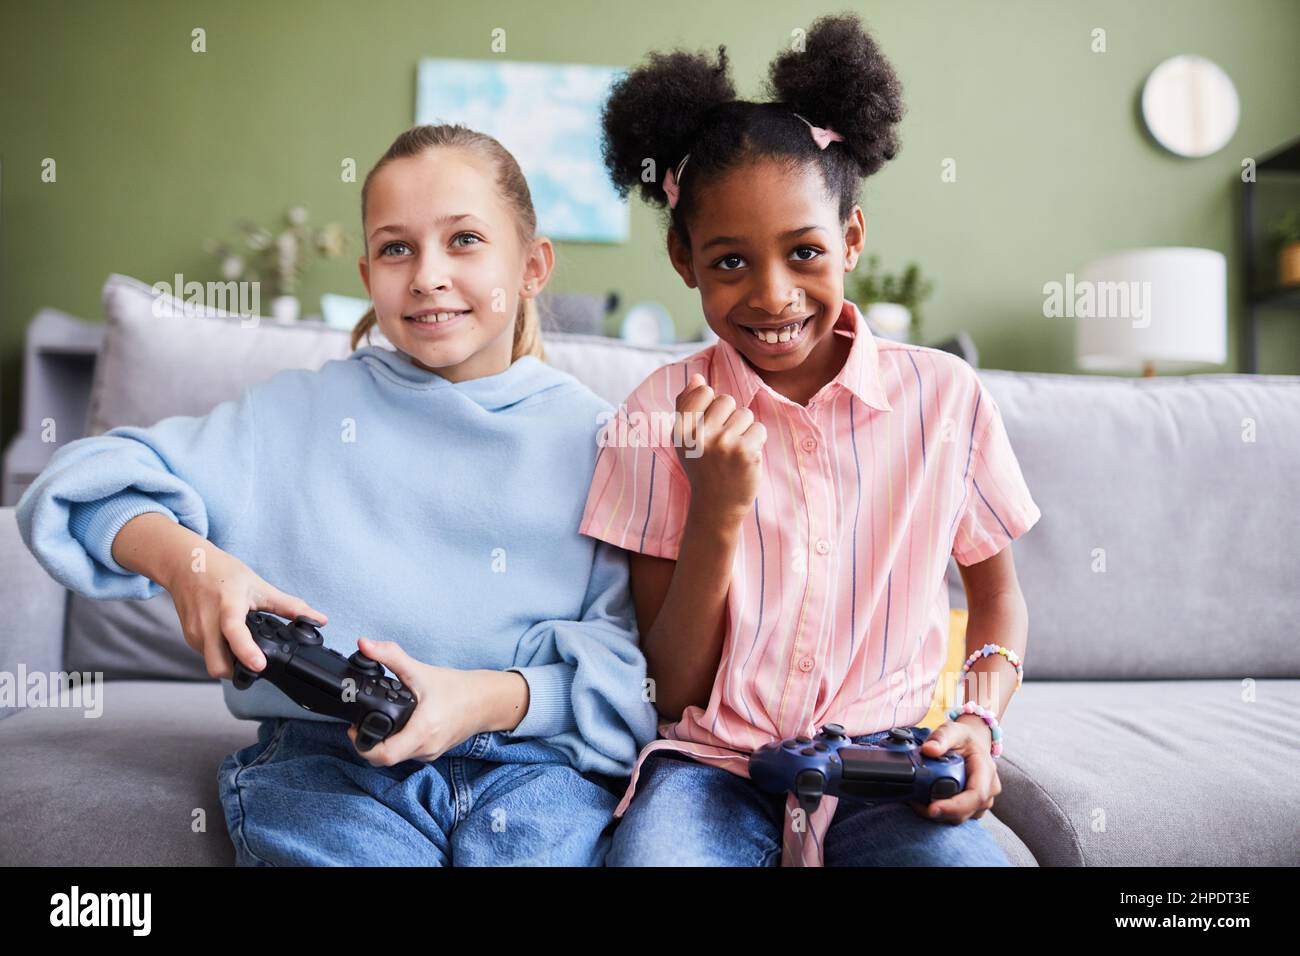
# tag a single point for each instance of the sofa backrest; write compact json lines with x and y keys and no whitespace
{"x":1169,"y":545}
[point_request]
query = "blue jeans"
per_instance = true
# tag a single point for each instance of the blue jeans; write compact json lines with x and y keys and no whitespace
{"x":691,"y":814}
{"x":303,"y":796}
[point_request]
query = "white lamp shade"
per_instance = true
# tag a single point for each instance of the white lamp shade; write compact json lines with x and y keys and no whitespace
{"x":1167,"y":307}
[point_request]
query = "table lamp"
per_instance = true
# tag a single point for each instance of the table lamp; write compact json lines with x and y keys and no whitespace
{"x":1152,"y":310}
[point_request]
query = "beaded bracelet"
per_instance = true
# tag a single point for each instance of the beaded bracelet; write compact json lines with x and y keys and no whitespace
{"x":970,"y":707}
{"x":1006,"y":652}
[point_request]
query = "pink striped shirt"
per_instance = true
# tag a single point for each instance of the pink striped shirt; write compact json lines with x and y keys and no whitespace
{"x":837,"y":610}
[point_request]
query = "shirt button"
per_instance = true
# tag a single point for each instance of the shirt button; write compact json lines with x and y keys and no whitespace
{"x":823,"y":546}
{"x":810,"y":444}
{"x":806,"y":664}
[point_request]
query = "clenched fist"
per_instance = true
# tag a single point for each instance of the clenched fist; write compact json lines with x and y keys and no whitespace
{"x":720,"y":447}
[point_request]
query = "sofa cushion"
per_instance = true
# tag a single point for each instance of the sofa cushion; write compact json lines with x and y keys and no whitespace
{"x":121,"y":789}
{"x":32,"y":632}
{"x":942,"y":701}
{"x":160,"y":359}
{"x":1154,"y":773}
{"x":1167,"y":545}
{"x":130,"y":640}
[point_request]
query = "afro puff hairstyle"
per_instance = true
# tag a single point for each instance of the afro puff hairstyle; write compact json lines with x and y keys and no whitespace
{"x":682,"y":103}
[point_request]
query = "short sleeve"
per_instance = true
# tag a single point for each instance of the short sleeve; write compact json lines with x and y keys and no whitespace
{"x":639,"y":495}
{"x":998,"y":507}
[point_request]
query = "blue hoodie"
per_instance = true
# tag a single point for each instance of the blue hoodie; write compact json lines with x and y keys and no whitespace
{"x":440,"y":515}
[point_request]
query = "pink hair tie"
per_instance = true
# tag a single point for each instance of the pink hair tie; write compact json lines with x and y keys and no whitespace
{"x":823,"y":136}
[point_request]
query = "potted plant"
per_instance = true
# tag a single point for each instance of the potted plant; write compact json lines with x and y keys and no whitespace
{"x":1287,"y":236}
{"x":279,"y":259}
{"x":891,"y":303}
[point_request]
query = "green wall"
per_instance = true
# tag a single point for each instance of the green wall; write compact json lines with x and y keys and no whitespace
{"x":159,"y":148}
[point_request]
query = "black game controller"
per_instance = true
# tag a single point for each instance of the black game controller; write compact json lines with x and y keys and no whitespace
{"x":323,"y":681}
{"x":888,"y":770}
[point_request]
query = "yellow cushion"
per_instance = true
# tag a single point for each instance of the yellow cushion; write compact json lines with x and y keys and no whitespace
{"x":947,"y":684}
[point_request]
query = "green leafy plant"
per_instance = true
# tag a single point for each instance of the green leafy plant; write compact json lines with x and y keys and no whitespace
{"x":1287,"y":229}
{"x":870,"y":285}
{"x":277,"y":258}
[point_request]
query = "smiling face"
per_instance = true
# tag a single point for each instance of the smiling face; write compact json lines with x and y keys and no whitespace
{"x":445,"y":265}
{"x":768,"y":254}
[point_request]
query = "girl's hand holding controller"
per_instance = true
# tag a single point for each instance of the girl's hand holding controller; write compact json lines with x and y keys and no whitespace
{"x":974,"y":744}
{"x":212,"y":605}
{"x":451,"y":705}
{"x":721,"y":449}
{"x":213,"y":591}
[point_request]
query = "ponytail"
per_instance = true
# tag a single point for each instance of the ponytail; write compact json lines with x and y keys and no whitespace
{"x":528,"y":332}
{"x":363,"y":327}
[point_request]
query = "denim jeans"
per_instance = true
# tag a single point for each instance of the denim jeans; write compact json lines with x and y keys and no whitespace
{"x":691,"y":814}
{"x":303,"y":796}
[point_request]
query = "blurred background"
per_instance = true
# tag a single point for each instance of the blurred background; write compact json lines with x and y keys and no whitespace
{"x":161,"y":150}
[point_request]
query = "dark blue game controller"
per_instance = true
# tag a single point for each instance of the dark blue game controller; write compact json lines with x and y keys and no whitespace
{"x":323,"y":681}
{"x":890,"y":770}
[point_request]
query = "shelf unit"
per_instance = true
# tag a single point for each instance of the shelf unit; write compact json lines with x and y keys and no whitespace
{"x":1281,"y":162}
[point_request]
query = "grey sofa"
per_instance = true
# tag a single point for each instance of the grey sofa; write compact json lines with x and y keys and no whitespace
{"x":1157,"y":724}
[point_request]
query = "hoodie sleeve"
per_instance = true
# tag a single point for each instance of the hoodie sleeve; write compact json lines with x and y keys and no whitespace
{"x":196,"y":470}
{"x":586,"y":678}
